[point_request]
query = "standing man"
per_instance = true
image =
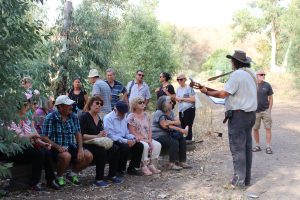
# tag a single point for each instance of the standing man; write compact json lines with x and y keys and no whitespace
{"x":138,"y":87}
{"x":240,"y":95}
{"x":100,"y":88}
{"x":61,"y":129}
{"x":263,"y":112}
{"x":115,"y":124}
{"x":117,"y":88}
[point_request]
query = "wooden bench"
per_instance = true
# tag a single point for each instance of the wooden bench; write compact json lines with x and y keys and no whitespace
{"x":22,"y":172}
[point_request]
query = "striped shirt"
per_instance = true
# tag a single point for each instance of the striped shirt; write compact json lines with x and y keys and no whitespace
{"x":22,"y":129}
{"x":116,"y":90}
{"x":62,"y":133}
{"x":100,"y":88}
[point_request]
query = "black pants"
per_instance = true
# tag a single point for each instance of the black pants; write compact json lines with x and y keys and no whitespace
{"x":177,"y":147}
{"x":101,"y":156}
{"x":39,"y":158}
{"x":136,"y":155}
{"x":187,"y":119}
{"x":240,"y":142}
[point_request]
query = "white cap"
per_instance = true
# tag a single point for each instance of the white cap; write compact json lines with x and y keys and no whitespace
{"x":63,"y":99}
{"x":93,"y":73}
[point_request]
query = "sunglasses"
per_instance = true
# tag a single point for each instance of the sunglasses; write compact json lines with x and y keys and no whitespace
{"x":99,"y":103}
{"x":142,"y":75}
{"x":141,"y":102}
{"x":261,"y":74}
{"x":180,"y":79}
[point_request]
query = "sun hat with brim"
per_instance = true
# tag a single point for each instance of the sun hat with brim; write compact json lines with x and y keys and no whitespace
{"x":240,"y":56}
{"x":181,"y":76}
{"x":63,"y":99}
{"x":93,"y":73}
{"x":122,"y":107}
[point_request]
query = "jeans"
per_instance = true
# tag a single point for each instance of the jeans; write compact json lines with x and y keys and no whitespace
{"x":240,"y":142}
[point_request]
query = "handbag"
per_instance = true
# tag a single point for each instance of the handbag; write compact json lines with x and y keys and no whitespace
{"x":105,"y":142}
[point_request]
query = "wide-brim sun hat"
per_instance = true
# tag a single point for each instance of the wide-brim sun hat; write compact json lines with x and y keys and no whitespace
{"x":63,"y":99}
{"x":93,"y":73}
{"x":240,"y":56}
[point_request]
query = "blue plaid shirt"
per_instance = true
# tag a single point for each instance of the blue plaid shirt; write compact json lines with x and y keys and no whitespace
{"x":116,"y":90}
{"x":62,"y":133}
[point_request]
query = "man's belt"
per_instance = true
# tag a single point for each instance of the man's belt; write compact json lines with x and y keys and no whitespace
{"x":229,"y":114}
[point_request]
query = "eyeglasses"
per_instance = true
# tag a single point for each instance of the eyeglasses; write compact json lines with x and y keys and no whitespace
{"x":99,"y":103}
{"x":142,"y":75}
{"x":161,"y":76}
{"x":261,"y":74}
{"x":141,"y":102}
{"x":180,"y":79}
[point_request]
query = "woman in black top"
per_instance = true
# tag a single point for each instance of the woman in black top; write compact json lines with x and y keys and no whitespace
{"x":77,"y":94}
{"x":166,"y":89}
{"x":92,"y":127}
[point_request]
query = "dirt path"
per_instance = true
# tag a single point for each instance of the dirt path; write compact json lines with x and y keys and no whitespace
{"x":275,"y":176}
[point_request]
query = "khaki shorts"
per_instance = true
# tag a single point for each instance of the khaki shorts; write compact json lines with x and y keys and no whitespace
{"x":264,"y":116}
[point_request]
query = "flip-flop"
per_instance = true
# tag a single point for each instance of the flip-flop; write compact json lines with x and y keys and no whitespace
{"x":257,"y":148}
{"x":269,"y":150}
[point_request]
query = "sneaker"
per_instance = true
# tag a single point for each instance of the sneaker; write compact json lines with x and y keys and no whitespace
{"x":73,"y":179}
{"x":38,"y":187}
{"x":115,"y":179}
{"x":54,"y":185}
{"x":101,"y":183}
{"x":146,"y":171}
{"x":153,"y":169}
{"x":61,"y":182}
{"x":133,"y":171}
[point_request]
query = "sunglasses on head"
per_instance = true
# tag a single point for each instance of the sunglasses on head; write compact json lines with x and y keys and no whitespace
{"x":141,"y":102}
{"x":99,"y":103}
{"x":261,"y":74}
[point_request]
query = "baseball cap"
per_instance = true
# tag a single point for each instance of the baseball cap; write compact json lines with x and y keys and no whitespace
{"x":122,"y":106}
{"x":63,"y":99}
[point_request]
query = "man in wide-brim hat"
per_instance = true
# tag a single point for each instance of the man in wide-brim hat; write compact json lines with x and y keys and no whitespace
{"x":240,"y":95}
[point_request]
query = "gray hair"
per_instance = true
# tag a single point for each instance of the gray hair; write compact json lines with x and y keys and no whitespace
{"x":110,"y":70}
{"x":44,"y":103}
{"x":161,"y":103}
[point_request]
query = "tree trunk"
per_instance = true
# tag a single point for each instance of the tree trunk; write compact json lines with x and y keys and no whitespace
{"x":273,"y":48}
{"x":286,"y":56}
{"x":62,"y":86}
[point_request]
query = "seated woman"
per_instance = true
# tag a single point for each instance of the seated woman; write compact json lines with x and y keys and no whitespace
{"x":38,"y":155}
{"x":139,"y":125}
{"x":40,"y":113}
{"x":166,"y":130}
{"x":92,"y":127}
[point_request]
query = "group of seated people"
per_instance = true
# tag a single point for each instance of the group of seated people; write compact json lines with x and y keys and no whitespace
{"x":58,"y":135}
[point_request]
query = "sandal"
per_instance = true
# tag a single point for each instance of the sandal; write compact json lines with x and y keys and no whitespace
{"x":257,"y":148}
{"x":269,"y":150}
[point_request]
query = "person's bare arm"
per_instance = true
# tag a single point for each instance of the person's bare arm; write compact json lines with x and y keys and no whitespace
{"x":270,"y":102}
{"x":219,"y":94}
